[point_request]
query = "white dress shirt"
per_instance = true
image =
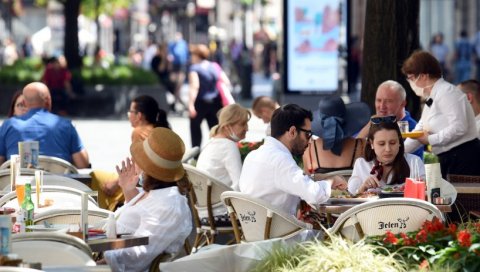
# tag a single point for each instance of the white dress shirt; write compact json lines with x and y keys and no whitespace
{"x":270,"y":173}
{"x":362,"y":168}
{"x":221,"y":159}
{"x":450,"y":120}
{"x":164,"y":216}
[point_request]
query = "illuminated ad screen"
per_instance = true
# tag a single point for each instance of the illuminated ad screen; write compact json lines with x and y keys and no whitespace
{"x":312,"y":39}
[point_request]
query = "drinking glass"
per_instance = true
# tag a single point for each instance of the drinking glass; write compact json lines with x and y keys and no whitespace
{"x":20,"y":188}
{"x":38,"y":185}
{"x":403,"y":125}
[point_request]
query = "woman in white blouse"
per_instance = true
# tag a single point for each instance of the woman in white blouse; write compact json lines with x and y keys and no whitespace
{"x":159,"y":209}
{"x":447,"y":121}
{"x":221,"y":157}
{"x":385,"y":159}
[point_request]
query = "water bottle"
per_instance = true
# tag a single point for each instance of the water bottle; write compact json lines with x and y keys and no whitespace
{"x":111,"y":228}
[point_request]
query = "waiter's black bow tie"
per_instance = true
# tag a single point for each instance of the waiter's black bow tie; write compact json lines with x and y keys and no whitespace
{"x":429,"y":102}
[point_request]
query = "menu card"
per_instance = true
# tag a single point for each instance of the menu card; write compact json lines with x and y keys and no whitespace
{"x":28,"y":151}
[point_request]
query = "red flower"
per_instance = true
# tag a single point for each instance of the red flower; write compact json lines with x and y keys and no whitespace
{"x":433,"y":226}
{"x":421,"y":236}
{"x":464,"y":238}
{"x":407,"y":241}
{"x":390,"y":238}
{"x":452,"y":228}
{"x":424,"y":265}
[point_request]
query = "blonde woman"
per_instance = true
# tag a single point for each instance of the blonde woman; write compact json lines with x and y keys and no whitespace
{"x":221,"y":157}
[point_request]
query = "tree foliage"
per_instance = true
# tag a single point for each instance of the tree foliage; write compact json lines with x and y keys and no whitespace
{"x":73,"y":8}
{"x":88,"y":7}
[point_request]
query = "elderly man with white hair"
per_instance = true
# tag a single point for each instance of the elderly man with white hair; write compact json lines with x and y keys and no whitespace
{"x":391,"y":99}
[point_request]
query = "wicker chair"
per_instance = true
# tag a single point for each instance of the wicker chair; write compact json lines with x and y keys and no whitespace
{"x":71,"y":216}
{"x":205,"y":196}
{"x":375,"y":217}
{"x":52,"y":249}
{"x":347,"y":173}
{"x":190,"y":154}
{"x":466,"y":203}
{"x":260,"y":220}
{"x":63,"y":197}
{"x":161,"y":258}
{"x":50,"y":164}
{"x":48,"y":179}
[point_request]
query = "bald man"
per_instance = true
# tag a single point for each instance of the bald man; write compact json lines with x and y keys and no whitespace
{"x":56,"y":135}
{"x":390,"y":99}
{"x":263,"y":107}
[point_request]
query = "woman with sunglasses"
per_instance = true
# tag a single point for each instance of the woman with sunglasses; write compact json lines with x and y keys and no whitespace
{"x":447,"y":122}
{"x":385,"y":159}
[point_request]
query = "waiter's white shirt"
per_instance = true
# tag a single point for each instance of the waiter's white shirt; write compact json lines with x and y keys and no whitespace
{"x":450,"y":120}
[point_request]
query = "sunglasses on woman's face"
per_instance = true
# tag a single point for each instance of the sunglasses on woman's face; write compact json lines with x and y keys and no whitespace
{"x":384,"y":119}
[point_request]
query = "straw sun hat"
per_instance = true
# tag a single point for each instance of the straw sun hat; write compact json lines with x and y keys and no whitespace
{"x":160,"y":155}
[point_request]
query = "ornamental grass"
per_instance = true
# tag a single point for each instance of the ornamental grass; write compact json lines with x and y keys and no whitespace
{"x":336,"y":254}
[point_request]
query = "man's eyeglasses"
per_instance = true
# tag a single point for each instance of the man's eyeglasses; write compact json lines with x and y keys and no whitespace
{"x":384,"y":119}
{"x":308,"y":133}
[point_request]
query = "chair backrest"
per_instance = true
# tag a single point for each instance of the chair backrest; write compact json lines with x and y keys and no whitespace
{"x":52,"y":249}
{"x":202,"y":182}
{"x":206,"y":192}
{"x":190,"y":154}
{"x":5,"y":176}
{"x":347,"y":173}
{"x":259,"y":219}
{"x":376,"y":217}
{"x":64,"y":197}
{"x":50,"y":164}
{"x":49,"y":179}
{"x":71,"y":216}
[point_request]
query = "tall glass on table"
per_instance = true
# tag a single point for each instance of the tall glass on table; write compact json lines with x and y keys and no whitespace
{"x":38,"y":185}
{"x":14,"y":170}
{"x":20,"y":187}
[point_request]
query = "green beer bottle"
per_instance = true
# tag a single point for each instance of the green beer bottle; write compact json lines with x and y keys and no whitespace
{"x":27,"y":206}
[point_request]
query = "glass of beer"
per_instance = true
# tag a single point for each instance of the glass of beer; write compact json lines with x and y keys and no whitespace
{"x":20,"y":188}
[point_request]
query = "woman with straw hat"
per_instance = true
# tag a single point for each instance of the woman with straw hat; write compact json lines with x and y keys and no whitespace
{"x":159,"y":209}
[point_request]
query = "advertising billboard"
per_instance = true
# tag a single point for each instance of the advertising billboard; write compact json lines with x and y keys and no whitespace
{"x":312,"y":37}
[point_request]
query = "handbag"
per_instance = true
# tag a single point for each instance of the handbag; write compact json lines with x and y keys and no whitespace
{"x":223,"y":88}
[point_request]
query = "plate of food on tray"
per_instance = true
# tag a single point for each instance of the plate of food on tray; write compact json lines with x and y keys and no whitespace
{"x":341,"y":197}
{"x":392,"y":191}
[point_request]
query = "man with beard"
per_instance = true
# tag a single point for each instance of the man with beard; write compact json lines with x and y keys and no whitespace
{"x":271,"y":173}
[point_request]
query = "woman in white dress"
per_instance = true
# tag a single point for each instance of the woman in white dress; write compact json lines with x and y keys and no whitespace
{"x":385,"y":159}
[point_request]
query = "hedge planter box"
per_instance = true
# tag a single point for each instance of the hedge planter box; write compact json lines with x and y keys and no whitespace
{"x":99,"y":100}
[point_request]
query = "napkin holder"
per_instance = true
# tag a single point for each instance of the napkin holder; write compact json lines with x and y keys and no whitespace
{"x":414,"y":189}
